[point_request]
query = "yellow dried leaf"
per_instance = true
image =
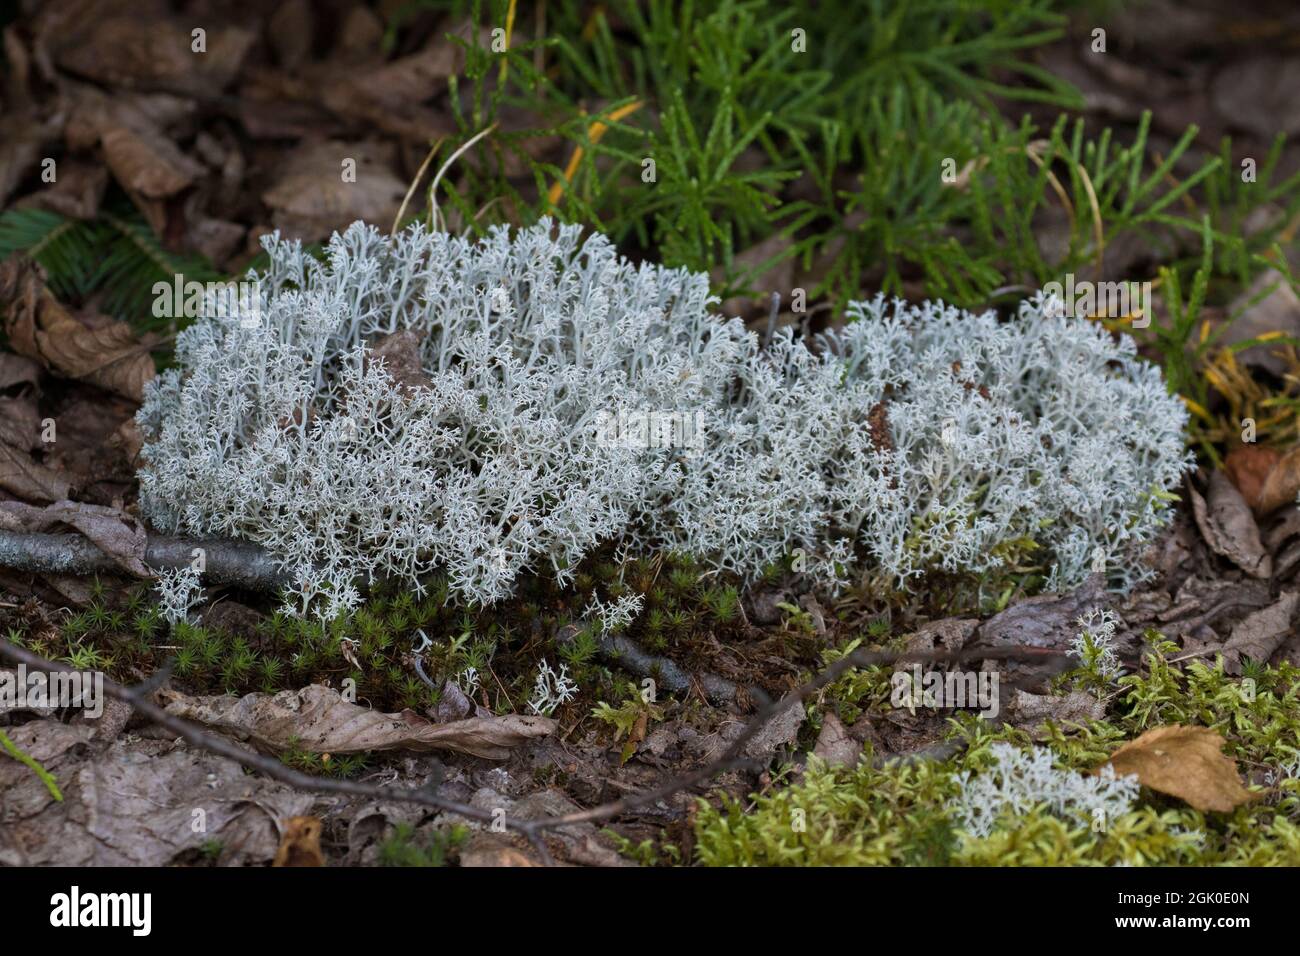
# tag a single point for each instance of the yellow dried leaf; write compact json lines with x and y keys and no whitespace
{"x":1184,"y":762}
{"x":300,"y":844}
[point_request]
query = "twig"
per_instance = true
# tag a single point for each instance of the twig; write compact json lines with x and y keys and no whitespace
{"x":623,"y":652}
{"x":533,"y":830}
{"x":138,"y":698}
{"x":225,"y":562}
{"x":731,"y":757}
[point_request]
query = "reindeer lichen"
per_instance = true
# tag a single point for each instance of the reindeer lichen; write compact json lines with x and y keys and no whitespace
{"x":913,"y":439}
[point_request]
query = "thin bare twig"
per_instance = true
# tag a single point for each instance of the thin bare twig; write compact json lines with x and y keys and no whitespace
{"x":533,"y":830}
{"x":138,"y":698}
{"x":225,"y":562}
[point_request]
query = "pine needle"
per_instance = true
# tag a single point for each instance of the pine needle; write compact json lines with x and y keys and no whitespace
{"x":31,"y":764}
{"x":594,"y":133}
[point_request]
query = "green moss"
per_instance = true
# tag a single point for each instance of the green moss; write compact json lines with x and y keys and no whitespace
{"x":402,"y":849}
{"x":902,"y":815}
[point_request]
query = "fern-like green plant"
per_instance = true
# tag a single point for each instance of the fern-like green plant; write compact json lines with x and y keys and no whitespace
{"x":115,"y":254}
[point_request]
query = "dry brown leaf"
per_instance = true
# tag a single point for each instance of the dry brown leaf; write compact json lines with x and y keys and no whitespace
{"x":39,"y":327}
{"x":1046,"y":620}
{"x":300,"y":845}
{"x":134,"y":803}
{"x":18,"y":370}
{"x":1031,"y":710}
{"x":1282,"y":483}
{"x":392,"y":96}
{"x":493,"y":850}
{"x":400,"y":352}
{"x":452,"y":704}
{"x":76,"y":194}
{"x":217,"y":239}
{"x":148,"y":163}
{"x":1259,"y":634}
{"x":1247,"y":466}
{"x":1184,"y":762}
{"x":152,"y":52}
{"x":290,"y":30}
{"x":28,"y":479}
{"x":778,"y":732}
{"x":127,"y":437}
{"x":1228,"y":526}
{"x":1252,"y":94}
{"x":20,"y":422}
{"x":23,"y":141}
{"x":834,"y":745}
{"x":949,"y":634}
{"x":311,"y":200}
{"x":317,"y":719}
{"x":94,"y":112}
{"x":360,"y":36}
{"x":634,"y":737}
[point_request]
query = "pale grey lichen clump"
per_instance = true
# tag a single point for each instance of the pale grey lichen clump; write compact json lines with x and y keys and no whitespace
{"x":916,"y":438}
{"x":1020,"y":780}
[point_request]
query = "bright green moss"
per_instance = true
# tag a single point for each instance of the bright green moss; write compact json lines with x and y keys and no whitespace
{"x":903,"y":815}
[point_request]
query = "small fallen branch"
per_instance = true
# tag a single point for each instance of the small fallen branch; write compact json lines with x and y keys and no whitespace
{"x":225,"y":562}
{"x":533,"y":830}
{"x":251,"y":567}
{"x":623,"y":652}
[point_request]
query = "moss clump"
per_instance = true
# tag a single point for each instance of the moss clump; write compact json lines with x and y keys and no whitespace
{"x":903,"y":815}
{"x":124,"y":634}
{"x":403,"y":848}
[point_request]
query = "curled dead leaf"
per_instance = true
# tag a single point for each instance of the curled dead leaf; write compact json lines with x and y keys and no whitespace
{"x":1032,"y":710}
{"x":1184,"y":762}
{"x":17,"y":370}
{"x":1282,"y":483}
{"x":317,"y":719}
{"x":118,"y":49}
{"x":20,"y":422}
{"x":1229,"y":528}
{"x":310,"y":200}
{"x":1259,"y":634}
{"x":300,"y":844}
{"x":26,"y":478}
{"x":148,"y":162}
{"x":40,"y":328}
{"x":834,"y":745}
{"x":1248,"y":467}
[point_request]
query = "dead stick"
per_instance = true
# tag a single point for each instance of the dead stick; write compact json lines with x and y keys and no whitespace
{"x":225,"y":562}
{"x":533,"y":830}
{"x":732,"y":756}
{"x":138,"y":698}
{"x":623,"y":652}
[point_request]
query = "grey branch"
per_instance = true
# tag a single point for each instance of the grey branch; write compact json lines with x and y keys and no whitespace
{"x":226,"y":562}
{"x":534,"y":830}
{"x":623,"y":652}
